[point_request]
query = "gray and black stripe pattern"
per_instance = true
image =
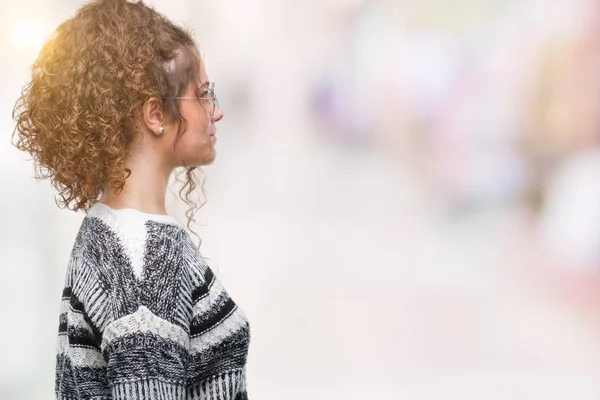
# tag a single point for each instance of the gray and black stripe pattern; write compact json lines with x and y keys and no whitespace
{"x":166,"y":331}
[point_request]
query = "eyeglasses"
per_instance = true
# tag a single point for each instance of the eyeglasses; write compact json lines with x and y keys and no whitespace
{"x":209,"y":89}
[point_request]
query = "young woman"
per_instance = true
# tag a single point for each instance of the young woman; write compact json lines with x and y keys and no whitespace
{"x":118,"y":100}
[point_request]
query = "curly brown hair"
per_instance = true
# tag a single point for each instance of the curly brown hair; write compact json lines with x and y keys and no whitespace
{"x":80,"y":111}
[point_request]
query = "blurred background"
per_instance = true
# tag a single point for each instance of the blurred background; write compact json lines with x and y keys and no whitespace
{"x":405,"y":202}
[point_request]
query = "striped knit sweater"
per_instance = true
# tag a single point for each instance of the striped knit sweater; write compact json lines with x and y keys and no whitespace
{"x":144,"y":318}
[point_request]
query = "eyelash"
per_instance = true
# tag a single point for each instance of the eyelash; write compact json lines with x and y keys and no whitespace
{"x":203,"y":93}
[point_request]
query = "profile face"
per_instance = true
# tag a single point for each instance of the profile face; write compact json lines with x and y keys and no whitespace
{"x":199,"y":107}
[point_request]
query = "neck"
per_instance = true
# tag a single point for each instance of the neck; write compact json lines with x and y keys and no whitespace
{"x":145,"y":189}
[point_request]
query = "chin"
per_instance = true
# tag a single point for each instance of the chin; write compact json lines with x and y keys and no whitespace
{"x":199,"y":162}
{"x":209,"y":159}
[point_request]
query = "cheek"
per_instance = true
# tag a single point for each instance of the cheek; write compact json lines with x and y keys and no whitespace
{"x":195,"y":145}
{"x":196,"y":140}
{"x":198,"y":121}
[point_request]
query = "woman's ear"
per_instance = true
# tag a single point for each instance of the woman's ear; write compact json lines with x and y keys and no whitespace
{"x":153,"y":116}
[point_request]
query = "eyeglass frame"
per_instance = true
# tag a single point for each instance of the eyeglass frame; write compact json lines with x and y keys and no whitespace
{"x":210,"y":87}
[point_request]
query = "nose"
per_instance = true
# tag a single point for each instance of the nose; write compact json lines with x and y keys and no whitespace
{"x":218,"y":114}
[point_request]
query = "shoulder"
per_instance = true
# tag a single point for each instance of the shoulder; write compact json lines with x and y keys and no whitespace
{"x":105,"y":231}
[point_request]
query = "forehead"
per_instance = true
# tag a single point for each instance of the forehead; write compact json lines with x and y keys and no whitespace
{"x":202,"y":71}
{"x":201,"y":77}
{"x":199,"y":61}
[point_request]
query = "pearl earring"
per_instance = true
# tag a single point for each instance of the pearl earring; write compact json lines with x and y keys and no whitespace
{"x":161,"y":129}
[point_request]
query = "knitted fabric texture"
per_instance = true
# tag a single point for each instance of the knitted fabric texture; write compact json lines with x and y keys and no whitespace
{"x":143,"y":317}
